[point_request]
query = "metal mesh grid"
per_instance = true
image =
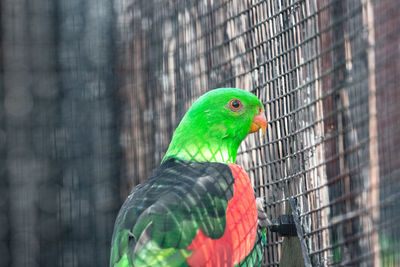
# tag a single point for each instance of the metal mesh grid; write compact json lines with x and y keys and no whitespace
{"x":91,"y":92}
{"x":314,"y":65}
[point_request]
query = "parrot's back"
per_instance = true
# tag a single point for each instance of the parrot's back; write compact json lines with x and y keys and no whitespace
{"x":163,"y":215}
{"x":179,"y":217}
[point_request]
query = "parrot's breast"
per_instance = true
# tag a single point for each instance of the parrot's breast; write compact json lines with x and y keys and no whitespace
{"x":240,"y":231}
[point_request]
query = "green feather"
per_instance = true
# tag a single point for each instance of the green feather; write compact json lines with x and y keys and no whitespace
{"x":151,"y":255}
{"x":212,"y":132}
{"x":256,"y":254}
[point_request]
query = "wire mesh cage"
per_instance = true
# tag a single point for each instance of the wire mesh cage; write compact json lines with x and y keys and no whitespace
{"x":315,"y":66}
{"x":91,"y":92}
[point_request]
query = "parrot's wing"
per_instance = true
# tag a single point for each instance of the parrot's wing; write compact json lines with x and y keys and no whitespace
{"x":162,"y":216}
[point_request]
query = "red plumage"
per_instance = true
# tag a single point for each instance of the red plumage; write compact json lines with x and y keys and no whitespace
{"x":240,"y":232}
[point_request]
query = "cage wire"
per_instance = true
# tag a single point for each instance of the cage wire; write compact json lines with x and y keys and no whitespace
{"x":91,"y":92}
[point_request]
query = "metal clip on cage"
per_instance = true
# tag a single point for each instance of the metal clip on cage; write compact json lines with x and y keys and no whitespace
{"x":288,"y":225}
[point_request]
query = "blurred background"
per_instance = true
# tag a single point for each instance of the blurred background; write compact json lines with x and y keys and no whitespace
{"x":91,"y":91}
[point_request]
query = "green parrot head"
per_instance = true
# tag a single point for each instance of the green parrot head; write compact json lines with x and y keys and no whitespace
{"x":215,"y":125}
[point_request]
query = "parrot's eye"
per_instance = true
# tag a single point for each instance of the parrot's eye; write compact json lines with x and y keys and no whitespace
{"x":235,"y":104}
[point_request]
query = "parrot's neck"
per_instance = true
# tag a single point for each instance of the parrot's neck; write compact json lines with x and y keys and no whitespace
{"x":203,"y":145}
{"x":203,"y":152}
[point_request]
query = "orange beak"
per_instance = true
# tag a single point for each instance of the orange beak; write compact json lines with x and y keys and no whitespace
{"x":259,"y":121}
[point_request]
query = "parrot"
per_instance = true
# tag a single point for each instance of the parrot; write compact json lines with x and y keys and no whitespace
{"x":198,"y":208}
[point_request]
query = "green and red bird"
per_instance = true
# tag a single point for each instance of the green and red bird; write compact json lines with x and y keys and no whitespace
{"x":198,"y":208}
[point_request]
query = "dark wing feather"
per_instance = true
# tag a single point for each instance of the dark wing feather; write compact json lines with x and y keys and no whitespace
{"x":169,"y":208}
